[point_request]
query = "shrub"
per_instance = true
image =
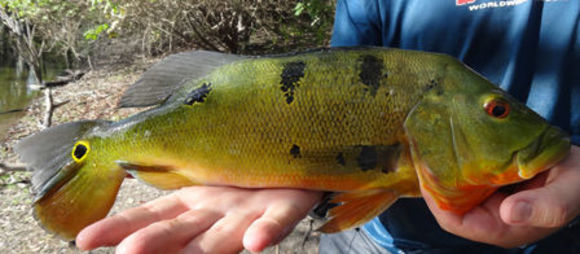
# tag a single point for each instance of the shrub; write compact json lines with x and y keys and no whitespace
{"x":85,"y":31}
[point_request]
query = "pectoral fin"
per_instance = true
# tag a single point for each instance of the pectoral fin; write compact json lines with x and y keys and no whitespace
{"x":356,"y":208}
{"x":158,"y":176}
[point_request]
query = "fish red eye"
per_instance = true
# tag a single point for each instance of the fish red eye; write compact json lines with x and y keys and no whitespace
{"x":497,"y":108}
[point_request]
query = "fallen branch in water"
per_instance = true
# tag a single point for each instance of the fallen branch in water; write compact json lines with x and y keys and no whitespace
{"x":69,"y":76}
{"x":12,"y":111}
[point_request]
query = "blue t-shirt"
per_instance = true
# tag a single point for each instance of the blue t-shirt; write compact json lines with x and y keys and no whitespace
{"x":530,"y":48}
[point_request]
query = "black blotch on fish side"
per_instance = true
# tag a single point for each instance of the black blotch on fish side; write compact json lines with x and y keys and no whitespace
{"x":368,"y":158}
{"x":434,"y":84}
{"x":340,"y":159}
{"x":295,"y":151}
{"x":291,"y":74}
{"x":371,"y":72}
{"x":388,"y":157}
{"x":198,"y":95}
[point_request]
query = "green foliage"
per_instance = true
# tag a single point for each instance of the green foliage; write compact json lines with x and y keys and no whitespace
{"x":112,"y":12}
{"x":317,"y":10}
{"x":93,"y":33}
{"x":320,"y":12}
{"x":59,"y":25}
{"x":107,"y":7}
{"x":83,"y":29}
{"x":38,"y":10}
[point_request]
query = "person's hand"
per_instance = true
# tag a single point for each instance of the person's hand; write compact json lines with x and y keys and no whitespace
{"x":538,"y":208}
{"x":203,"y":219}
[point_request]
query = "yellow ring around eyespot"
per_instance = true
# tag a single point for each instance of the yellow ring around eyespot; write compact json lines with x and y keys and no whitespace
{"x":77,"y":146}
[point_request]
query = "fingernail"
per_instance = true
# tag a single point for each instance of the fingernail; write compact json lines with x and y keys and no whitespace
{"x":521,"y":212}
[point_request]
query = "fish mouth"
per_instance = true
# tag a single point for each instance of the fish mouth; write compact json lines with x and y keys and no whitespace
{"x":548,"y":149}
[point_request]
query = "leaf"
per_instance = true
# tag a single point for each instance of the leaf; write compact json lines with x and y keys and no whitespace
{"x":300,"y":7}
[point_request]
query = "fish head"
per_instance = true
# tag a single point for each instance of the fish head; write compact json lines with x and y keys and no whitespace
{"x":468,"y":138}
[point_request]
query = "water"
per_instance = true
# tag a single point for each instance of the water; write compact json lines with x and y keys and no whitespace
{"x":15,"y":94}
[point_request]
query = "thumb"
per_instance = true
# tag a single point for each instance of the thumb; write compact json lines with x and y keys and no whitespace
{"x":552,"y":205}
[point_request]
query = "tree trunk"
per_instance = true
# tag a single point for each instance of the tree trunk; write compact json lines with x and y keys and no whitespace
{"x":23,"y":34}
{"x":49,"y":108}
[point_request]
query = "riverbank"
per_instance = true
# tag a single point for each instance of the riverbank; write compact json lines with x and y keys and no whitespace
{"x":95,"y":96}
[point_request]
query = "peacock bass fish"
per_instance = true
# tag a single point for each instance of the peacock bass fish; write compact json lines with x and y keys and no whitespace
{"x":370,"y":124}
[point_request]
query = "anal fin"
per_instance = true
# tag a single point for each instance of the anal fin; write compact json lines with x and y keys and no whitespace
{"x":158,"y":176}
{"x":356,"y":208}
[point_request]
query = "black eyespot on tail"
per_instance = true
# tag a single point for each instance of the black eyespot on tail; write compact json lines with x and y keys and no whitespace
{"x":291,"y":74}
{"x":80,"y":150}
{"x":295,"y":151}
{"x":371,"y":72}
{"x":198,"y":95}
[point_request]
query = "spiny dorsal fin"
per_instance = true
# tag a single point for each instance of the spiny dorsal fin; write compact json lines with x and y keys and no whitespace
{"x":48,"y":151}
{"x":166,"y":76}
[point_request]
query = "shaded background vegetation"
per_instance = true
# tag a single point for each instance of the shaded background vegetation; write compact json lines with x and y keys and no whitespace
{"x":91,"y":33}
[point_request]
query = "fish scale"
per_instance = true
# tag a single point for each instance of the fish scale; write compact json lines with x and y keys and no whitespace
{"x":366,"y":123}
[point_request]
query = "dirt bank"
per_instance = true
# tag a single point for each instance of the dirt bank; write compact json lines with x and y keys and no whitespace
{"x":94,"y":96}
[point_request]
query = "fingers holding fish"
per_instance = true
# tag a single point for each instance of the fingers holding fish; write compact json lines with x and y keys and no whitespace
{"x":484,"y":224}
{"x":539,"y":207}
{"x":260,"y":219}
{"x":111,"y":230}
{"x":554,"y":204}
{"x":230,"y":227}
{"x":479,"y":223}
{"x":171,"y":235}
{"x":197,"y":219}
{"x":276,"y":223}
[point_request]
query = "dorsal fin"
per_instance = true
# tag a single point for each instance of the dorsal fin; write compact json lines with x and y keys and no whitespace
{"x":166,"y":76}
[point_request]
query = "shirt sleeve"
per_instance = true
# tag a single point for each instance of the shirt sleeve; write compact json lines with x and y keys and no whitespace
{"x":356,"y":23}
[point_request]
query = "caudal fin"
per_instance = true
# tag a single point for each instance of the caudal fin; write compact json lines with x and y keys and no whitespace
{"x":47,"y":152}
{"x":73,"y":187}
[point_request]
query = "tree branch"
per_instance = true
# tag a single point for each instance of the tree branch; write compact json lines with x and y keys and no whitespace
{"x":11,"y":168}
{"x":12,"y":111}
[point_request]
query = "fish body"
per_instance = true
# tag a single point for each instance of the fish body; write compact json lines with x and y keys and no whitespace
{"x":370,"y":124}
